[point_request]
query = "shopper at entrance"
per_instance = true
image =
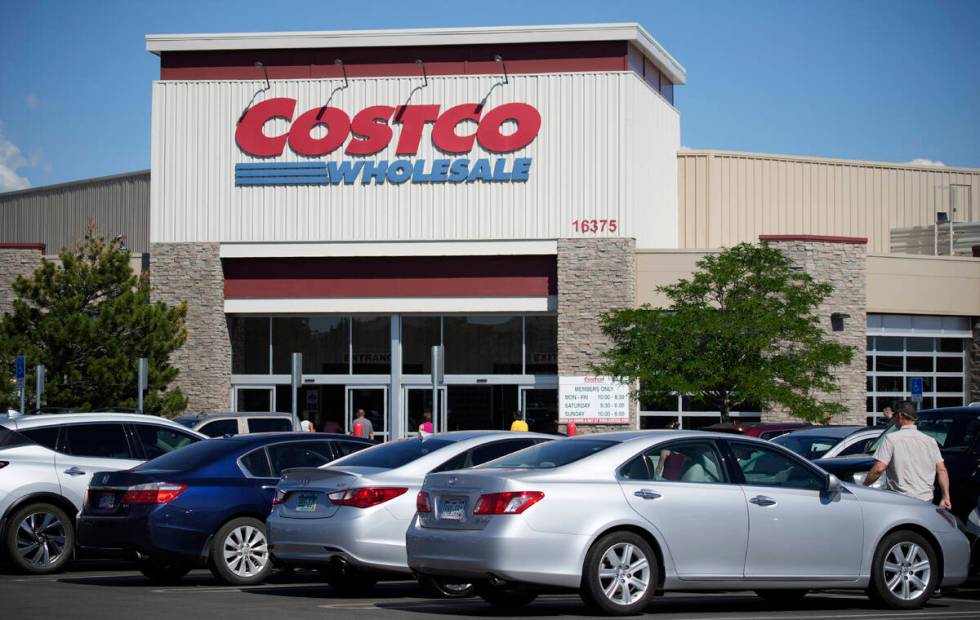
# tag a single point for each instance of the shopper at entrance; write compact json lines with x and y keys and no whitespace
{"x":910,"y":460}
{"x":426,"y":425}
{"x":519,"y":424}
{"x":367,"y":429}
{"x":306,"y":424}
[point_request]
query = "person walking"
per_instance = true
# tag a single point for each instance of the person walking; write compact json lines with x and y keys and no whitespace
{"x":367,"y":428}
{"x":910,"y":460}
{"x":518,"y":424}
{"x":426,"y":425}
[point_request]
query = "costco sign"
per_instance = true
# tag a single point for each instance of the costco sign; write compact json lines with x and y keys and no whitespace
{"x":322,"y":131}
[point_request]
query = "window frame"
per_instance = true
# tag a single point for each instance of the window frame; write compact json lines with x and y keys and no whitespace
{"x":133,"y":431}
{"x":135,"y":453}
{"x":735,"y":468}
{"x":720,"y":454}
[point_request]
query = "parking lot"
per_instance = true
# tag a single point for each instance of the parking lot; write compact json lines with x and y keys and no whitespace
{"x":99,"y":589}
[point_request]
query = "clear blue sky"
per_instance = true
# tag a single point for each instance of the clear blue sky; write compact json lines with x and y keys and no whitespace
{"x":881,"y":80}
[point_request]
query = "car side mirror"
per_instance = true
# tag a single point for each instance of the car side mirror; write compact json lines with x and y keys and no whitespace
{"x":832,"y":486}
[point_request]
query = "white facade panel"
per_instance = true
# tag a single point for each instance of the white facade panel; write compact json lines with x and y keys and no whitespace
{"x":385,"y":305}
{"x":606,"y":150}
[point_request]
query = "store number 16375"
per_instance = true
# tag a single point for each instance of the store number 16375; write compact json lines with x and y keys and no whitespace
{"x":594,"y":226}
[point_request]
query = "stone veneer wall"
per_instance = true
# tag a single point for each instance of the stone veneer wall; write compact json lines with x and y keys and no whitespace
{"x":20,"y":261}
{"x":594,"y":275}
{"x":192,"y":272}
{"x":842,"y":263}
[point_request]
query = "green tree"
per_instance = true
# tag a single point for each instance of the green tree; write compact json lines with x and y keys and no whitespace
{"x":88,"y":319}
{"x":743,"y":329}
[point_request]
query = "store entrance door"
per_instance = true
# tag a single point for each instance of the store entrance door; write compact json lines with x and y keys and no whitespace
{"x":540,"y":409}
{"x":418,"y":400}
{"x":374,"y":402}
{"x":480,"y":407}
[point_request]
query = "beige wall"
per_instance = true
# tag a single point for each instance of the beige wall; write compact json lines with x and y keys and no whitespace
{"x":905,"y":284}
{"x":725,"y":198}
{"x":896,"y":284}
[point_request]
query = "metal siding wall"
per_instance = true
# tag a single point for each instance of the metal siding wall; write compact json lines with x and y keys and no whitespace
{"x":59,"y":216}
{"x":727,"y":198}
{"x":603,"y":146}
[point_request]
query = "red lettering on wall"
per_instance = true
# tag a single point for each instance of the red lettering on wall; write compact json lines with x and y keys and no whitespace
{"x":249,"y":135}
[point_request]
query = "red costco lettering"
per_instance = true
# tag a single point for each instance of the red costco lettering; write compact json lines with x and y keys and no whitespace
{"x":371,"y":129}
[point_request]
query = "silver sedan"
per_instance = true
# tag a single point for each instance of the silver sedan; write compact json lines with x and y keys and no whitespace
{"x":622,"y":516}
{"x":349,"y":518}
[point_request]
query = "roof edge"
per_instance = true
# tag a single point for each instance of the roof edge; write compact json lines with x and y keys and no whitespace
{"x":75,"y":183}
{"x":826,"y":160}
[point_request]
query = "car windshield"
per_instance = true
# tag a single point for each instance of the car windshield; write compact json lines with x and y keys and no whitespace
{"x":551,"y":454}
{"x":808,"y":446}
{"x":953,"y":433}
{"x":190,"y":457}
{"x":393,"y":454}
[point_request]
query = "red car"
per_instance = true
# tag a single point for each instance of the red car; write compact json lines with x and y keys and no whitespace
{"x":762,"y":430}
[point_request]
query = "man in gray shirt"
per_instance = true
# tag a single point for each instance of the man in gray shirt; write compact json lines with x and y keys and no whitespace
{"x":910,"y":460}
{"x":367,"y":429}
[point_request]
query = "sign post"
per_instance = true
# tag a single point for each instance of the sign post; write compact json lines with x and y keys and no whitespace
{"x":20,"y":368}
{"x":915,"y":387}
{"x":142,"y":376}
{"x":39,"y":384}
{"x":297,"y":379}
{"x":438,"y":375}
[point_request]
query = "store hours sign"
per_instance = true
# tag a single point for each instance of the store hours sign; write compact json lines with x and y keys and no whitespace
{"x":593,"y":400}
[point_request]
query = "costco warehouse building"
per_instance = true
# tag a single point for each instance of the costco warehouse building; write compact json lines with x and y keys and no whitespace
{"x":361,"y":196}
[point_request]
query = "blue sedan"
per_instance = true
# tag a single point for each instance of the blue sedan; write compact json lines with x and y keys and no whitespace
{"x":205,"y":504}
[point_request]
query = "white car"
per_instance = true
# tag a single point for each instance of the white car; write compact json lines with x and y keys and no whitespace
{"x":46,"y":464}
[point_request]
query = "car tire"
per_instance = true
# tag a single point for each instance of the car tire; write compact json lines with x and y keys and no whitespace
{"x":240,"y":553}
{"x":444,"y":588}
{"x":164,"y":571}
{"x":508,"y":597}
{"x":783,"y":597}
{"x":347,"y":580}
{"x":904,"y":571}
{"x":39,"y":539}
{"x":614,"y":569}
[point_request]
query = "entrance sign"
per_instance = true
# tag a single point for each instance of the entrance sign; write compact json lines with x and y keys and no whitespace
{"x":593,"y":400}
{"x":321,"y":131}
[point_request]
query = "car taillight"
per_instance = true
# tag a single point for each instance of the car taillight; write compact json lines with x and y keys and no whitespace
{"x":153,"y":493}
{"x":365,"y":497}
{"x":509,"y":503}
{"x":422,"y":503}
{"x":280,"y":497}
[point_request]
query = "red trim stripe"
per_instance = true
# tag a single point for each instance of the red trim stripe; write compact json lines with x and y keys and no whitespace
{"x":24,"y":246}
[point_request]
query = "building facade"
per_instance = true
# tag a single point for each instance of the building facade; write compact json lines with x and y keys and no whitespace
{"x":360,"y":197}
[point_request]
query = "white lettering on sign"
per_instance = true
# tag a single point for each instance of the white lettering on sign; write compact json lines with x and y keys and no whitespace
{"x":593,"y":400}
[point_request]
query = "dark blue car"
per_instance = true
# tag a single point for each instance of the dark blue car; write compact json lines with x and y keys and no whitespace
{"x":205,"y":504}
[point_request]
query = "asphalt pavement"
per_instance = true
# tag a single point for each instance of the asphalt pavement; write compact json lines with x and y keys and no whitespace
{"x":101,"y":590}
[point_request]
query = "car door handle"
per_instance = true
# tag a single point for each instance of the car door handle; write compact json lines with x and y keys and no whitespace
{"x":74,"y":471}
{"x":647,"y":494}
{"x":762,"y":500}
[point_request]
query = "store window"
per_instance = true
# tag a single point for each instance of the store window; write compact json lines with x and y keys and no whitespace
{"x":249,"y":345}
{"x":371,"y":345}
{"x":930,"y":348}
{"x":321,"y":339}
{"x":541,"y":345}
{"x":419,"y":335}
{"x":482,"y":344}
{"x":688,"y":412}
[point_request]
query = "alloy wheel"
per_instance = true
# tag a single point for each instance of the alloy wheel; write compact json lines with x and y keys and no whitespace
{"x":624,"y":573}
{"x":907,"y":571}
{"x":246,"y":551}
{"x":41,"y":539}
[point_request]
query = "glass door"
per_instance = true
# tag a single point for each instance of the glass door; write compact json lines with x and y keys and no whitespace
{"x":373,"y":401}
{"x":418,"y":403}
{"x":540,"y":409}
{"x":257,"y":399}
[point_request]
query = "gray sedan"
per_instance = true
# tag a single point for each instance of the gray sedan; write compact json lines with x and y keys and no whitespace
{"x":621,"y":516}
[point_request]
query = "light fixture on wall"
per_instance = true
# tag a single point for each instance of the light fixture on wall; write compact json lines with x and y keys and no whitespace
{"x":425,"y":83}
{"x":265,"y":73}
{"x":506,"y":80}
{"x":837,"y":320}
{"x":343,"y":71}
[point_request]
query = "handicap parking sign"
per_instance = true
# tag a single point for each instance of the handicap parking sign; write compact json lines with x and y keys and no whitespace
{"x":20,"y":371}
{"x":915,"y":386}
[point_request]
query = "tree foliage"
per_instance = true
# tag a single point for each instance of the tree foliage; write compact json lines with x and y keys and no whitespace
{"x":743,"y":329}
{"x":88,"y":319}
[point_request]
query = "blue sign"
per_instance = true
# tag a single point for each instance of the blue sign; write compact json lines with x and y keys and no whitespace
{"x":915,"y":386}
{"x":20,"y":371}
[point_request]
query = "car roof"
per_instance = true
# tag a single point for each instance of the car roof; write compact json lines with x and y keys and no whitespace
{"x":974,"y":410}
{"x":839,"y":432}
{"x":204,"y":415}
{"x":30,"y":421}
{"x":259,"y":438}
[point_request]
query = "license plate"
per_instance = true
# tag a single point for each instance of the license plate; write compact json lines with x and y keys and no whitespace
{"x":106,"y":501}
{"x":453,"y":508}
{"x":306,"y":502}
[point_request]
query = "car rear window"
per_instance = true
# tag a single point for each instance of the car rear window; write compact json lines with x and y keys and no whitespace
{"x":12,"y":439}
{"x":808,"y":446}
{"x":550,"y":455}
{"x":46,"y":436}
{"x":269,"y":425}
{"x":394,"y":454}
{"x":191,"y":457}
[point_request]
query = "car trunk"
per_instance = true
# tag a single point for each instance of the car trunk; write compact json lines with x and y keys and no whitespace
{"x":453,"y":496}
{"x":305,"y":490}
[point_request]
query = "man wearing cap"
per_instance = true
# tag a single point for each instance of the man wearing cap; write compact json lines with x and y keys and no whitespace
{"x":910,"y":460}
